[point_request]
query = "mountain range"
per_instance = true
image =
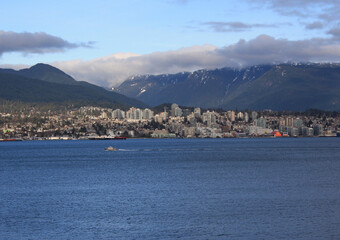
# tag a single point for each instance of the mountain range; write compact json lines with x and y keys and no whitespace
{"x":43,"y":83}
{"x":295,"y":87}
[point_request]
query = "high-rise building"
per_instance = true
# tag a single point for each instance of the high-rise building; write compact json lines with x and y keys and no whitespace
{"x":147,"y":113}
{"x":289,"y":121}
{"x":134,"y":114}
{"x":261,"y":122}
{"x":297,"y":122}
{"x":318,"y":128}
{"x":307,"y":132}
{"x":209,"y":118}
{"x":240,"y":115}
{"x":246,"y":117}
{"x":164,"y":115}
{"x":197,"y":112}
{"x":176,"y":111}
{"x":138,"y":114}
{"x":118,"y":114}
{"x":293,"y":131}
{"x":173,"y":109}
{"x":254,"y":115}
{"x":232,"y":118}
{"x":282,"y":122}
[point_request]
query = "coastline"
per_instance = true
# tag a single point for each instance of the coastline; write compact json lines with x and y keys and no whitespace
{"x":105,"y":138}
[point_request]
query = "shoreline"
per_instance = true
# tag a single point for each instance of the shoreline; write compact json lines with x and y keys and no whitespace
{"x":113,"y":139}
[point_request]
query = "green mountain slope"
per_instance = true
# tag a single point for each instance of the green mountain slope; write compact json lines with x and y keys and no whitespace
{"x":53,"y":85}
{"x":287,"y":87}
{"x":47,"y":73}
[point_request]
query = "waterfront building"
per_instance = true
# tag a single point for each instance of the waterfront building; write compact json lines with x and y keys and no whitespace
{"x":297,"y":122}
{"x":317,"y":128}
{"x":261,"y":122}
{"x":258,"y":131}
{"x":282,"y":122}
{"x":293,"y":131}
{"x":289,"y":121}
{"x":307,"y":132}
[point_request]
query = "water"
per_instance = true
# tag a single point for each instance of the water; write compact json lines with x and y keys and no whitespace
{"x":171,"y":189}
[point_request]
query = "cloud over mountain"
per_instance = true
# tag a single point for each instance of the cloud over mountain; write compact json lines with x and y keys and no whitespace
{"x":34,"y":43}
{"x":264,"y":49}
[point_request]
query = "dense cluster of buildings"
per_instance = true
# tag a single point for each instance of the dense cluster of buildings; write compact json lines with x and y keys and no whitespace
{"x":96,"y":122}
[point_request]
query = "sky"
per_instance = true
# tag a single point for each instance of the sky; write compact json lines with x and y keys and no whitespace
{"x":106,"y":41}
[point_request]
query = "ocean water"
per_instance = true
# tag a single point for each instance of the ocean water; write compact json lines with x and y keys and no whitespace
{"x":171,"y":189}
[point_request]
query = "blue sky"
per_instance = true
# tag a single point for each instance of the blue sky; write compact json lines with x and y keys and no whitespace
{"x":86,"y":38}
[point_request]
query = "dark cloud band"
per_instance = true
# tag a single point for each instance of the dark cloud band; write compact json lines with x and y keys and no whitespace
{"x":235,"y":26}
{"x":34,"y":43}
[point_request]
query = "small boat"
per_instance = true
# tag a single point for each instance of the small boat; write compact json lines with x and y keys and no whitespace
{"x":111,"y":149}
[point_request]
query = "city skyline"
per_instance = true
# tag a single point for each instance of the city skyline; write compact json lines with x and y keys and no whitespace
{"x":97,"y":123}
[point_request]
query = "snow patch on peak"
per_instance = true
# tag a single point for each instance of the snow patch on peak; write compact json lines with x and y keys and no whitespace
{"x":142,"y":90}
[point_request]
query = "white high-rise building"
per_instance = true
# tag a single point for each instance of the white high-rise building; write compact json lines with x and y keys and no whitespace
{"x":261,"y":122}
{"x":173,"y":108}
{"x":254,"y":115}
{"x":138,"y":114}
{"x":209,"y":118}
{"x":176,"y":111}
{"x":240,"y":115}
{"x":147,"y":113}
{"x":134,"y":114}
{"x":246,"y":117}
{"x":118,"y":114}
{"x":232,"y":116}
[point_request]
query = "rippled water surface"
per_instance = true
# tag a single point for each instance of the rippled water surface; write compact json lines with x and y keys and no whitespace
{"x":171,"y":189}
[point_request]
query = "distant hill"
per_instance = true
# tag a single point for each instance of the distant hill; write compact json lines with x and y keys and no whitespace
{"x":294,"y":87}
{"x":43,"y":83}
{"x":47,"y":73}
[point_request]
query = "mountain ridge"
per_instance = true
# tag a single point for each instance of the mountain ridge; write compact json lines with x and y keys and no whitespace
{"x":278,"y":87}
{"x":43,"y":83}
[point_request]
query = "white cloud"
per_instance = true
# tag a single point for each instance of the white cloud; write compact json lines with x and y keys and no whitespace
{"x":112,"y":70}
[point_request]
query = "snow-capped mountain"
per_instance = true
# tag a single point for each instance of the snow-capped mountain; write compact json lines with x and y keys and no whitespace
{"x":278,"y":87}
